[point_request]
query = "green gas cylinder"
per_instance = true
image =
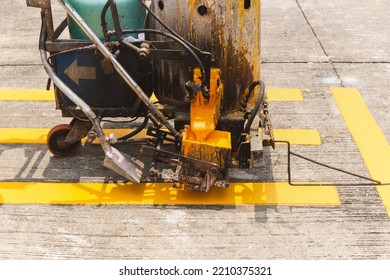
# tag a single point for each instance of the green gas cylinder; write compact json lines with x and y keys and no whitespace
{"x":131,"y":16}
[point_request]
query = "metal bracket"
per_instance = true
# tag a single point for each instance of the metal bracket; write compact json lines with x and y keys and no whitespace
{"x":256,"y":145}
{"x":193,"y":174}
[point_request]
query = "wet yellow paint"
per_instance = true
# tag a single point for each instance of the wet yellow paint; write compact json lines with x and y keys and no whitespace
{"x":26,"y":95}
{"x":274,"y":94}
{"x":299,"y":136}
{"x":39,"y":135}
{"x":96,"y":193}
{"x":368,"y":136}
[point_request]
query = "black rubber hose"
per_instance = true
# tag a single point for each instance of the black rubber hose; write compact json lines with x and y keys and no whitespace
{"x":166,"y":26}
{"x":138,"y":130}
{"x":104,"y":22}
{"x":259,"y":101}
{"x":177,"y":40}
{"x":174,"y":36}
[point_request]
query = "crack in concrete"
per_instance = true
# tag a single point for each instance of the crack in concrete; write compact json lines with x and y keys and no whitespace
{"x":320,"y":43}
{"x":20,"y":65}
{"x":325,"y":62}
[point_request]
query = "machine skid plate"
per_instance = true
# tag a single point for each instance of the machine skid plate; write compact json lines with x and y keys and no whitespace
{"x":124,"y":165}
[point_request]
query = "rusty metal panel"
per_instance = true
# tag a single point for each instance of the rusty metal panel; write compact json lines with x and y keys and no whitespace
{"x":229,"y":29}
{"x":38,"y":3}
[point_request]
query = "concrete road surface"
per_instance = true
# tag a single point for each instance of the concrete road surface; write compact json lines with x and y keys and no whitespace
{"x":306,"y":44}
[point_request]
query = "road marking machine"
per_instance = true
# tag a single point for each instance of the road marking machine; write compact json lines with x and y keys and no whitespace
{"x":187,"y":72}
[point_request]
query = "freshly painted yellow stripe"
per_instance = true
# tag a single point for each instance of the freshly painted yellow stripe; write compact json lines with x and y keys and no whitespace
{"x":284,"y":94}
{"x":299,"y":136}
{"x":368,"y":136}
{"x":23,"y":135}
{"x":274,"y":94}
{"x":26,"y":95}
{"x":39,"y":135}
{"x":94,"y":193}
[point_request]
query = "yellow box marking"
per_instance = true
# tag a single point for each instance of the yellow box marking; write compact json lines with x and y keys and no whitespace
{"x":94,"y":193}
{"x":368,"y":136}
{"x":284,"y":94}
{"x":26,"y":95}
{"x":299,"y":136}
{"x":274,"y":94}
{"x":39,"y":135}
{"x":23,"y":135}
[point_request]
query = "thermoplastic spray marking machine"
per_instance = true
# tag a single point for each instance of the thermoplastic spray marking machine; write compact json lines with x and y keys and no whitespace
{"x":201,"y":60}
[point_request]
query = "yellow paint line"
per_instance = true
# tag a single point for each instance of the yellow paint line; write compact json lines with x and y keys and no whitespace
{"x":274,"y":94}
{"x":23,"y":135}
{"x":95,"y":193}
{"x":26,"y":95}
{"x":368,"y":136}
{"x":299,"y":136}
{"x":284,"y":94}
{"x":39,"y":135}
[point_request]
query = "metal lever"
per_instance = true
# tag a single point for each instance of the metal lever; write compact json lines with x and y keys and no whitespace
{"x":118,"y":67}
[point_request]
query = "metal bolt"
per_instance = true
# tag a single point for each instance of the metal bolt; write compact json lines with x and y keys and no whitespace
{"x":112,"y":138}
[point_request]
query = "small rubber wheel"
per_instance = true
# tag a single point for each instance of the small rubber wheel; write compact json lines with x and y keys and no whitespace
{"x":55,"y":142}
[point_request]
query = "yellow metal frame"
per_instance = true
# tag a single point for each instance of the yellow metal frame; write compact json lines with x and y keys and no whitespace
{"x":204,"y":114}
{"x":200,"y":139}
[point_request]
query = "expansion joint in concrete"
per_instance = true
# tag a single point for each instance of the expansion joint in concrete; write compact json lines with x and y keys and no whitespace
{"x":320,"y":43}
{"x":20,"y":64}
{"x":325,"y":62}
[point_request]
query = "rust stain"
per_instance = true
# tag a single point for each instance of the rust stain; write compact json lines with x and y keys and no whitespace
{"x":230,"y":32}
{"x":178,"y":14}
{"x":257,"y":48}
{"x":229,"y":11}
{"x":191,"y":23}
